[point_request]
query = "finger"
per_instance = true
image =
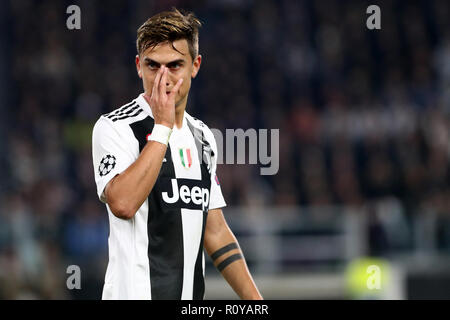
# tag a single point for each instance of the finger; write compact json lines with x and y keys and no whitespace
{"x":176,"y":87}
{"x":162,"y":85}
{"x":156,"y":82}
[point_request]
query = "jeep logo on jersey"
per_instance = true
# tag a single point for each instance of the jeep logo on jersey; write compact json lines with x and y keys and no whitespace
{"x":189,"y":194}
{"x":185,"y":156}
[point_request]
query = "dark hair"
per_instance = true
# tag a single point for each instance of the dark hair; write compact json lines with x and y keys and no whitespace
{"x":169,"y":26}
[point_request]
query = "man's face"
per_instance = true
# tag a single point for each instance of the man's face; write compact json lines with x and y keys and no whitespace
{"x":179,"y":64}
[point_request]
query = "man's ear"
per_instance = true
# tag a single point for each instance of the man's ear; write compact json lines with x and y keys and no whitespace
{"x":196,"y":66}
{"x":138,"y":66}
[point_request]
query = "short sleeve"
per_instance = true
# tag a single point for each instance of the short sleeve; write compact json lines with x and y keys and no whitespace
{"x":216,"y":197}
{"x":110,"y":152}
{"x":216,"y":200}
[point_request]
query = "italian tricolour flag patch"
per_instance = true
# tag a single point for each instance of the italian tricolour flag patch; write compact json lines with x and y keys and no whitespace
{"x":185,"y":156}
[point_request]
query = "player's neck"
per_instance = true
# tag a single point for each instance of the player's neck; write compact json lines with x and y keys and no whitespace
{"x":179,"y":112}
{"x":179,"y":116}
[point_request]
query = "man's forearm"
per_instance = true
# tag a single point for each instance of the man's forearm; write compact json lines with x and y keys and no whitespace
{"x":228,"y":258}
{"x":126,"y":192}
{"x":236,"y":273}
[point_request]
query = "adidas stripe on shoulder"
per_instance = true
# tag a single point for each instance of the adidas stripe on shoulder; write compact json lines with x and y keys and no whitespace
{"x":129,"y":110}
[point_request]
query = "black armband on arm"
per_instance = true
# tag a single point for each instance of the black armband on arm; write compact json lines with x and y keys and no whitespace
{"x":229,"y":260}
{"x":224,"y":250}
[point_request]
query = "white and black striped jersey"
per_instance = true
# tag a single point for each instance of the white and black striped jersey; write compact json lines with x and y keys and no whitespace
{"x":158,"y":254}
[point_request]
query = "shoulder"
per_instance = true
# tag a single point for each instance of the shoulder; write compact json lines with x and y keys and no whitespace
{"x":120,"y":118}
{"x":129,"y":110}
{"x":127,"y":114}
{"x":116,"y":123}
{"x":200,"y":125}
{"x":195,"y":121}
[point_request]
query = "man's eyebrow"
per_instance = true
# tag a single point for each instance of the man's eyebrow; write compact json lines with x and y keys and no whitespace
{"x":148,"y":60}
{"x":176,"y":61}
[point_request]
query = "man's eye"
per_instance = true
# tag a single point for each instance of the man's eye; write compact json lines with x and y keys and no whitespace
{"x":153,"y":65}
{"x":175,"y":66}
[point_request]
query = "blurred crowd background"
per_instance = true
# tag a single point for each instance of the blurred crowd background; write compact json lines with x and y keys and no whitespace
{"x":363,"y":118}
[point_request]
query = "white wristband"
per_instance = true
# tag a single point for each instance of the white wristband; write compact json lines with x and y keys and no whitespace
{"x":160,"y":133}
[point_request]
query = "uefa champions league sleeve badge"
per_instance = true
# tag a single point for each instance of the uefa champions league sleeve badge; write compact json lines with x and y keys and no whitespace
{"x":107,"y":163}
